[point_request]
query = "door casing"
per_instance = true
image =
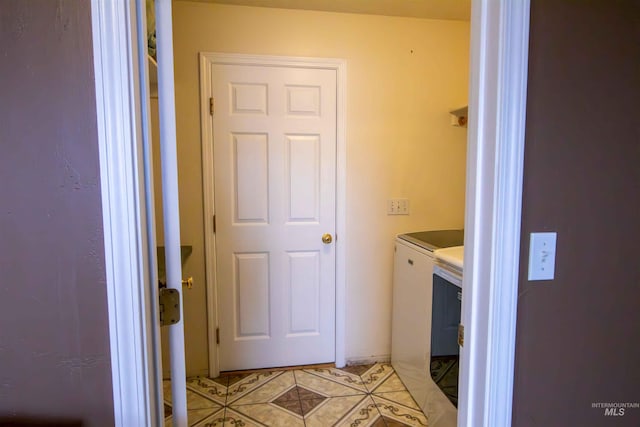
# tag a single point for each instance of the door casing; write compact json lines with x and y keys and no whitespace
{"x":127,"y":209}
{"x":207,"y":60}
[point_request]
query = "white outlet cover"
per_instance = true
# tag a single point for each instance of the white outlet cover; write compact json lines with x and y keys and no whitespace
{"x":398,"y":207}
{"x":404,"y":206}
{"x":542,"y":256}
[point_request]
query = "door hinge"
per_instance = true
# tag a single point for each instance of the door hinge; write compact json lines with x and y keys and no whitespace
{"x":460,"y":335}
{"x":211,"y":106}
{"x":169,"y":306}
{"x":217,"y":335}
{"x":214,"y":223}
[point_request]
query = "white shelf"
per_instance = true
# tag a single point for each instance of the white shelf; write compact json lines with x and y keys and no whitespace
{"x":459,"y":117}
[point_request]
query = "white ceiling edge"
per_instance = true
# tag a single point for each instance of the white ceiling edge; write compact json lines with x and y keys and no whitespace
{"x":457,"y":10}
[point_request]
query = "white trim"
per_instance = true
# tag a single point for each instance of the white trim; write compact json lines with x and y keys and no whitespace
{"x":171,"y":205}
{"x":208,"y":206}
{"x":341,"y":216}
{"x":130,"y":307}
{"x":355,"y":361}
{"x":152,"y":313}
{"x":207,"y":59}
{"x":499,"y":59}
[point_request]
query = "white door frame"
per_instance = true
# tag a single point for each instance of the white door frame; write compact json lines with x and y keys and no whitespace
{"x":127,"y":210}
{"x":207,"y":60}
{"x":497,"y":105}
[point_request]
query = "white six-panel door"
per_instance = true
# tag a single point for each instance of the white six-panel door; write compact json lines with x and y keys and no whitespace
{"x":274,"y":131}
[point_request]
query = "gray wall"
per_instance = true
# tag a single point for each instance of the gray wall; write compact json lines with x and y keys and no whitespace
{"x":578,"y":336}
{"x":54,"y":342}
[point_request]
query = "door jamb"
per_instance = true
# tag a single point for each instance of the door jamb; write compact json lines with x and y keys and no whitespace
{"x":207,"y":59}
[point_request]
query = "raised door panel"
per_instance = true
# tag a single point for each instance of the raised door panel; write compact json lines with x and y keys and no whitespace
{"x":303,"y":304}
{"x":303,"y":100}
{"x":303,"y":176}
{"x":251,"y":296}
{"x":251,"y":177}
{"x":249,"y":98}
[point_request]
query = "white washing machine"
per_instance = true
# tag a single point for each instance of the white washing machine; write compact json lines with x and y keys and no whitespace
{"x":411,"y":320}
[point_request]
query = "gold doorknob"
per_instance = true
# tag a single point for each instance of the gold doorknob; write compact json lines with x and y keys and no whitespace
{"x":326,"y":238}
{"x":188,"y":282}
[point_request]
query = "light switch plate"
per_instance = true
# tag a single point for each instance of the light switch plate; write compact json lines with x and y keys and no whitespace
{"x":542,"y":256}
{"x":398,"y":207}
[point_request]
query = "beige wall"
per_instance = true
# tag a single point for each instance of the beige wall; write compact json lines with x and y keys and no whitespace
{"x":403,"y":76}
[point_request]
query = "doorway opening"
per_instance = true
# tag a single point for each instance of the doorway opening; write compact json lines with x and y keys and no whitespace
{"x":495,"y":168}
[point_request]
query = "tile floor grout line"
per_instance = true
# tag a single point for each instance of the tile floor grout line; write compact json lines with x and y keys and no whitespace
{"x":337,"y":382}
{"x":378,"y":395}
{"x":345,"y":374}
{"x":381,"y":381}
{"x":370,"y":395}
{"x":369,"y":405}
{"x":322,"y":378}
{"x":350,"y":410}
{"x":251,"y":418}
{"x":224,"y":415}
{"x":247,"y":391}
{"x":295,"y":381}
{"x":201,"y":419}
{"x":206,"y":395}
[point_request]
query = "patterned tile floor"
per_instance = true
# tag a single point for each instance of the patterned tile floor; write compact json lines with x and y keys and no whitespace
{"x":358,"y":396}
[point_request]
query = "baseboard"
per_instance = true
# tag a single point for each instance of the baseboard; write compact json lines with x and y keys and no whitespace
{"x":368,"y":360}
{"x":281,"y":368}
{"x":166,"y":375}
{"x":198,"y":373}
